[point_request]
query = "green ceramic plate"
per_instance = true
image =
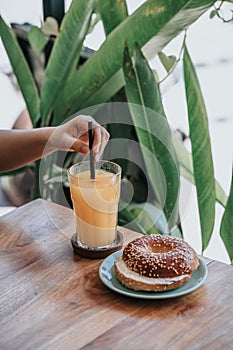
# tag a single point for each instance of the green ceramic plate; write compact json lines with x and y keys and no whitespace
{"x":108,"y":277}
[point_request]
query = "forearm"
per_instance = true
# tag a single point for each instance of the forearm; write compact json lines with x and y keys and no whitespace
{"x":19,"y":147}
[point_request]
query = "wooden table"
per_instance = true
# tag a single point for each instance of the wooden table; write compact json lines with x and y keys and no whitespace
{"x":51,"y":298}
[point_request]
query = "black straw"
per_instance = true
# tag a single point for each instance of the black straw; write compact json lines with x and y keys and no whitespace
{"x":91,"y":139}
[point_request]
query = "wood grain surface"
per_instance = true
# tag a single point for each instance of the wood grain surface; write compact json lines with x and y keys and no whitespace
{"x":51,"y":298}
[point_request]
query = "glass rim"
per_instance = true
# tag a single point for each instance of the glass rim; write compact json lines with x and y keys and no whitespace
{"x":97,"y":162}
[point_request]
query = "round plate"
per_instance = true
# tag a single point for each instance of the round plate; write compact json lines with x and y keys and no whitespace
{"x":108,"y":277}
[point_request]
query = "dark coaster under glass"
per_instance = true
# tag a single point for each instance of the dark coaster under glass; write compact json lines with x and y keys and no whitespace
{"x":99,"y":253}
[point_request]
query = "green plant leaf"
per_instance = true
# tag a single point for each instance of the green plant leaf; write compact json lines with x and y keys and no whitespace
{"x":186,"y":169}
{"x":153,"y":132}
{"x":201,"y":150}
{"x":153,"y":25}
{"x":15,"y":171}
{"x":145,"y":218}
{"x":121,"y":132}
{"x":176,"y":232}
{"x":226,"y":229}
{"x":21,"y":70}
{"x":112,"y":12}
{"x":167,"y":61}
{"x":213,"y":13}
{"x":221,"y":196}
{"x":65,"y":53}
{"x":37,"y":39}
{"x":157,"y":216}
{"x":94,"y":20}
{"x":138,"y":218}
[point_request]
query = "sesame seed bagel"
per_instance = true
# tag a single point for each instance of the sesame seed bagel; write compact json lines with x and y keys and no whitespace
{"x":156,"y":263}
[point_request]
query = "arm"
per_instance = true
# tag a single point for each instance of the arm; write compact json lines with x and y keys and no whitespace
{"x":19,"y":147}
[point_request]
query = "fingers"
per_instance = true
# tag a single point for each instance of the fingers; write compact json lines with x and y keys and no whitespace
{"x":97,"y":138}
{"x":80,"y":147}
{"x":104,"y":137}
{"x":77,"y":129}
{"x":101,"y":137}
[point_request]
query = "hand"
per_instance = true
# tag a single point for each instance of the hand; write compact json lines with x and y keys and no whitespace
{"x":73,"y":136}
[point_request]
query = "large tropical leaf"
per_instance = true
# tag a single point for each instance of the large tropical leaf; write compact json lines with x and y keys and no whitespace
{"x":65,"y":53}
{"x":112,"y":12}
{"x":21,"y":70}
{"x":186,"y":169}
{"x":146,"y":218}
{"x":153,"y":132}
{"x":37,"y":39}
{"x":120,"y":131}
{"x":136,"y":218}
{"x":226,"y":229}
{"x":201,"y":150}
{"x":153,"y":25}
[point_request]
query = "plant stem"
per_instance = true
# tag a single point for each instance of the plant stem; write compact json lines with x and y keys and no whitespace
{"x":219,"y":13}
{"x":177,"y":61}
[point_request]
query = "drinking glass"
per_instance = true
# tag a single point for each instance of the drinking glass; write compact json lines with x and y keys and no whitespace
{"x":95,"y":203}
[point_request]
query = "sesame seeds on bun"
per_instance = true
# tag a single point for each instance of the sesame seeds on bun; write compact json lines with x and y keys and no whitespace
{"x":156,"y":263}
